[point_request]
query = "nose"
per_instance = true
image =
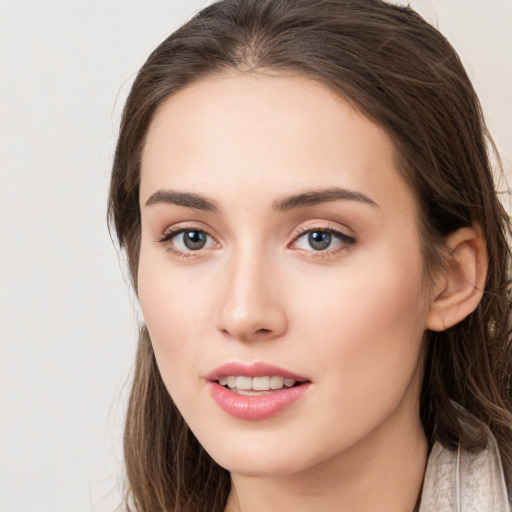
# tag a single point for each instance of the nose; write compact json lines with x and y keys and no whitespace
{"x":252,"y":304}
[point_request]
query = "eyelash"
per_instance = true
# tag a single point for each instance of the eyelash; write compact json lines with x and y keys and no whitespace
{"x":177,"y":230}
{"x":345,"y":240}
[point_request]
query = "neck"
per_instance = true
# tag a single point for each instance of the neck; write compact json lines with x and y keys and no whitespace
{"x":382,"y":472}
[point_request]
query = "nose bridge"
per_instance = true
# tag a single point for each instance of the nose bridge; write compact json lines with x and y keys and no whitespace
{"x":251,"y":306}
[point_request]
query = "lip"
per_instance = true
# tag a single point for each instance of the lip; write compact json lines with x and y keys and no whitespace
{"x":252,"y":370}
{"x":258,"y":407}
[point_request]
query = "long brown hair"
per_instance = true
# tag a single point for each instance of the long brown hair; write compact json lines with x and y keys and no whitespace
{"x":403,"y":74}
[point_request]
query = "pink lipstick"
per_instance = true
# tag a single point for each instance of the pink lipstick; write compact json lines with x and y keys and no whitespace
{"x":255,"y":392}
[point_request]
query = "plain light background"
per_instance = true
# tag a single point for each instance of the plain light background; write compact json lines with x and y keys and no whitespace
{"x":67,"y":319}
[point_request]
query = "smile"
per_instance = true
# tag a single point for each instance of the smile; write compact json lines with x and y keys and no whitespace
{"x":257,"y":391}
{"x":255,"y":386}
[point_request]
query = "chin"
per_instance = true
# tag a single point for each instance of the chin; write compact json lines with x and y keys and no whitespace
{"x":263,"y":455}
{"x":259,"y":466}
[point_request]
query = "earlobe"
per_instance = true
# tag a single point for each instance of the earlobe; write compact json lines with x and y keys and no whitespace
{"x":458,"y":288}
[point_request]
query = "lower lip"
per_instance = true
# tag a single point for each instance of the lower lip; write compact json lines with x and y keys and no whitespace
{"x":258,"y":407}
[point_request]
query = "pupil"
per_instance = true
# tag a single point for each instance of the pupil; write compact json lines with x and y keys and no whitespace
{"x":319,"y":240}
{"x":194,"y":240}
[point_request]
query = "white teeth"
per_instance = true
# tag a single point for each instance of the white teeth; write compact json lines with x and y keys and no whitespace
{"x":243,"y":382}
{"x":250,"y":392}
{"x":264,"y":383}
{"x":261,"y":383}
{"x":276,"y":382}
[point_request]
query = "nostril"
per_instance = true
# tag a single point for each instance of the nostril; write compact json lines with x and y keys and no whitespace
{"x":263,"y":321}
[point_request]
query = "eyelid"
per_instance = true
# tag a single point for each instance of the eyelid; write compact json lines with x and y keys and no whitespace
{"x":345,"y":235}
{"x":172,"y":231}
{"x":326,"y":226}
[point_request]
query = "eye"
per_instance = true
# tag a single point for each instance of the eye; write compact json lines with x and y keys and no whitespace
{"x":182,"y":241}
{"x":319,"y":240}
{"x":192,"y":240}
{"x":326,"y":240}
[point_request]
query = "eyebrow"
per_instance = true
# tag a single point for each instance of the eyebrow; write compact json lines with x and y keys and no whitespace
{"x":302,"y":200}
{"x":187,"y":199}
{"x":314,"y":197}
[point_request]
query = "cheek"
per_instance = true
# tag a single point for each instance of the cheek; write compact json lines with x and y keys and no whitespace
{"x":368,"y":327}
{"x":174,"y":314}
{"x":169,"y":298}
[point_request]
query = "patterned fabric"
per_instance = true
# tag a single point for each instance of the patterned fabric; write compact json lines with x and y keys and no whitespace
{"x":461,"y":481}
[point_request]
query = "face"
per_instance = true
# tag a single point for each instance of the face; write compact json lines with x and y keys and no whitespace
{"x":280,"y":273}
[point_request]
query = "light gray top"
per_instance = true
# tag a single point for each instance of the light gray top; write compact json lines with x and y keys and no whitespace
{"x":462,"y":481}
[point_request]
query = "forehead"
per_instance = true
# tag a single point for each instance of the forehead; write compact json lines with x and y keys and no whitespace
{"x":267,"y":134}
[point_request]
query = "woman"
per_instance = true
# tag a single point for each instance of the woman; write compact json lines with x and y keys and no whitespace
{"x":305,"y":196}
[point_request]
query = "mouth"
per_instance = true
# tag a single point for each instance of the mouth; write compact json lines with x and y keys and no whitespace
{"x":256,"y":386}
{"x":257,"y":391}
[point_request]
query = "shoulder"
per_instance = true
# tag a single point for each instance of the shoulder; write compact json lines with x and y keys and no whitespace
{"x":463,"y":480}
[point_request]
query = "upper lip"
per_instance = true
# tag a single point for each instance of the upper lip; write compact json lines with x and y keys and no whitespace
{"x":252,"y":370}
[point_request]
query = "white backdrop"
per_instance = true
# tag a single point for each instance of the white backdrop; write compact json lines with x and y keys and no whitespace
{"x":67,"y":322}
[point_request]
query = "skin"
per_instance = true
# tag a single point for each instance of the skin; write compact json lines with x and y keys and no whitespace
{"x":350,"y":318}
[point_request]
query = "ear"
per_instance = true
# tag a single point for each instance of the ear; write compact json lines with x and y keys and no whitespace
{"x":458,"y":287}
